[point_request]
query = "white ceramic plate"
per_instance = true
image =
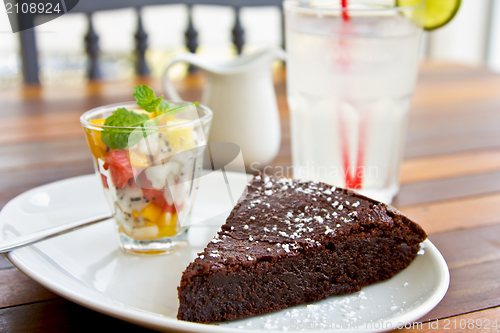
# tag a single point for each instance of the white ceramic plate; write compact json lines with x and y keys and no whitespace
{"x":87,"y":267}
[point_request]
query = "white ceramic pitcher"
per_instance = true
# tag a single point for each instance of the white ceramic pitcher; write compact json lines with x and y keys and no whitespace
{"x":241,"y":94}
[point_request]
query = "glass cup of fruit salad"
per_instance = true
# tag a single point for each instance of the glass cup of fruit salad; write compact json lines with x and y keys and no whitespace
{"x":148,"y":155}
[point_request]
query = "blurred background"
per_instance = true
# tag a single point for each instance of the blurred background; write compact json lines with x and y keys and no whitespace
{"x":472,"y":38}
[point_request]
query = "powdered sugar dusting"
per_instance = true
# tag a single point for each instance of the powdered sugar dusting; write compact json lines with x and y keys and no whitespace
{"x":352,"y":309}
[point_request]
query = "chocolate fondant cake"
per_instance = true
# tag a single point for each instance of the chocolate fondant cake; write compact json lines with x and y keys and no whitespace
{"x":289,"y":242}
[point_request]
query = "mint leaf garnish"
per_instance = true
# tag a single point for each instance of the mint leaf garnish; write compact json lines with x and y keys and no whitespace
{"x":118,"y":138}
{"x":163,"y":106}
{"x":177,"y":109}
{"x":125,"y":118}
{"x":146,"y":99}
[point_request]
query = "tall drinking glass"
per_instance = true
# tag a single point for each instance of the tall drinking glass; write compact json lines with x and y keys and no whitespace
{"x":351,"y":72}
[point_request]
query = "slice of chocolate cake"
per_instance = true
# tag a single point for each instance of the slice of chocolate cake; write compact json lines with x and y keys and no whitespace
{"x":289,"y":242}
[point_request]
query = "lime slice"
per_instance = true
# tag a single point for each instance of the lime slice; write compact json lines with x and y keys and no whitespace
{"x":437,"y":12}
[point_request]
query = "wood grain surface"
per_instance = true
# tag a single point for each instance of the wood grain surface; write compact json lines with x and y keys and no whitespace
{"x":450,"y":184}
{"x":487,"y":320}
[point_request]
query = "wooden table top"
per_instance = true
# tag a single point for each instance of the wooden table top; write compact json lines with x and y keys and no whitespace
{"x":450,"y":184}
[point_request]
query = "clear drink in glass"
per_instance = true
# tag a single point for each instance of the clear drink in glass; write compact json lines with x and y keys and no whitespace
{"x":350,"y":79}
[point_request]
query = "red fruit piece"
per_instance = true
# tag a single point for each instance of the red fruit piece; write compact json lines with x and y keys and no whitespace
{"x":154,"y":195}
{"x":149,"y":192}
{"x":170,"y":209}
{"x":104,"y":180}
{"x":119,"y":166}
{"x":173,"y":209}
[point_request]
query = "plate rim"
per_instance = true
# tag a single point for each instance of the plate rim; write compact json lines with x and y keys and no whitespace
{"x":158,"y":321}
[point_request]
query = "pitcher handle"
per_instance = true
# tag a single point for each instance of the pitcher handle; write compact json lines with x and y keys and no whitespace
{"x":168,"y":87}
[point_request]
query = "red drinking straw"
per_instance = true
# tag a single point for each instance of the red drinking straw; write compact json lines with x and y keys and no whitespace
{"x":345,"y":15}
{"x":353,"y":176}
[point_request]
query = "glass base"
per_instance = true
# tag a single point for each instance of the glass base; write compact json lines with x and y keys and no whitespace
{"x":155,"y":246}
{"x":383,"y":195}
